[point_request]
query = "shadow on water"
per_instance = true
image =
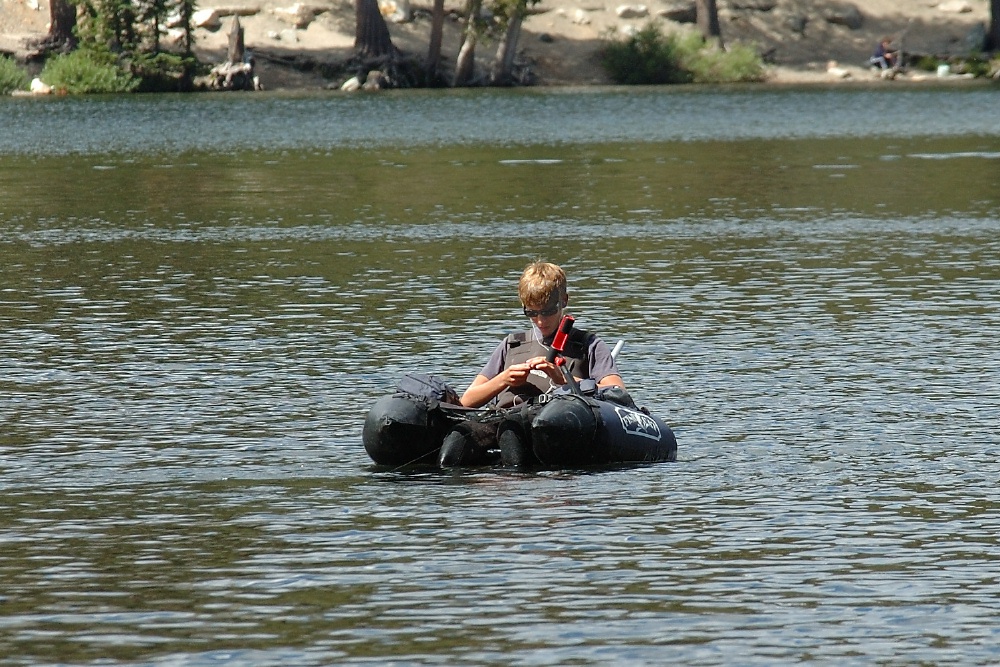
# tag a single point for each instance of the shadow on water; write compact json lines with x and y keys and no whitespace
{"x":433,"y":474}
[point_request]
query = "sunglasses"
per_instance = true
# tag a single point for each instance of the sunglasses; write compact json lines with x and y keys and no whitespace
{"x":542,"y":313}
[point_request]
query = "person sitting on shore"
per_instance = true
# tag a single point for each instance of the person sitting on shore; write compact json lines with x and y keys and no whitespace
{"x":884,"y":57}
{"x":518,"y":370}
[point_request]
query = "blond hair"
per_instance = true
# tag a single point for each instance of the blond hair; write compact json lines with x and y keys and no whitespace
{"x":542,"y":283}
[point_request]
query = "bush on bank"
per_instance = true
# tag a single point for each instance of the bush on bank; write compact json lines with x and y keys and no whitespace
{"x":120,"y":49}
{"x":977,"y":65}
{"x":651,"y":56}
{"x":12,"y":77}
{"x":739,"y":63}
{"x":85,"y":71}
{"x":646,"y":58}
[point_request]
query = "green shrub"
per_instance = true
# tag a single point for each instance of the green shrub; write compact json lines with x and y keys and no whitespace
{"x":164,"y":72}
{"x":977,"y":65}
{"x":85,"y":71}
{"x":652,"y":57}
{"x":738,"y":64}
{"x":12,"y":77}
{"x":127,"y":34}
{"x":924,"y":63}
{"x":647,"y":57}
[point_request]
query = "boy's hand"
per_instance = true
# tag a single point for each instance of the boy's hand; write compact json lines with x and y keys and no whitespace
{"x":516,"y":375}
{"x":553,"y":372}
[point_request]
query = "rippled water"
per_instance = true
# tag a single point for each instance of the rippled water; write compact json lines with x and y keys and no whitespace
{"x":190,"y":342}
{"x":165,"y":123}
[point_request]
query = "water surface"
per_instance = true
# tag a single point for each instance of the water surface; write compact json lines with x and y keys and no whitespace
{"x":194,"y":325}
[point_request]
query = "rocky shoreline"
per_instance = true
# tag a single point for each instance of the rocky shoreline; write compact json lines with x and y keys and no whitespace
{"x":297,"y":44}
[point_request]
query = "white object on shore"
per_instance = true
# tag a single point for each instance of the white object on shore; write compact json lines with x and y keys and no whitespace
{"x":632,"y":11}
{"x":834,"y":69}
{"x":39,"y":87}
{"x":955,"y":7}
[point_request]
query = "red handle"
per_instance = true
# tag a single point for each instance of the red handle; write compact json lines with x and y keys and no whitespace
{"x":559,"y":340}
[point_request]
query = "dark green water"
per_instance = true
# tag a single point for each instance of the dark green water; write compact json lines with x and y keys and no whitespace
{"x":191,"y":337}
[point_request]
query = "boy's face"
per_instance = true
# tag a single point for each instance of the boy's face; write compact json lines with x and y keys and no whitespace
{"x":545,"y":316}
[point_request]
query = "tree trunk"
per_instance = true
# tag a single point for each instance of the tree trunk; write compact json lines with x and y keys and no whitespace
{"x":466,"y":64}
{"x":506,"y":50}
{"x":993,"y":35}
{"x":434,"y":50}
{"x":186,"y":9}
{"x":62,"y":21}
{"x":371,"y":35}
{"x":708,"y":20}
{"x":236,"y":46}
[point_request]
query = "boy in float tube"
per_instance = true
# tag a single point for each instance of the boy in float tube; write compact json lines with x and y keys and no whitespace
{"x":518,"y":369}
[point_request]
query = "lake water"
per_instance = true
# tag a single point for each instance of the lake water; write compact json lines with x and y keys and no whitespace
{"x":201,"y":296}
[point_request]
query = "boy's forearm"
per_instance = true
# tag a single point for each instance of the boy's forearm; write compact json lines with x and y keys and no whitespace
{"x":480,"y":394}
